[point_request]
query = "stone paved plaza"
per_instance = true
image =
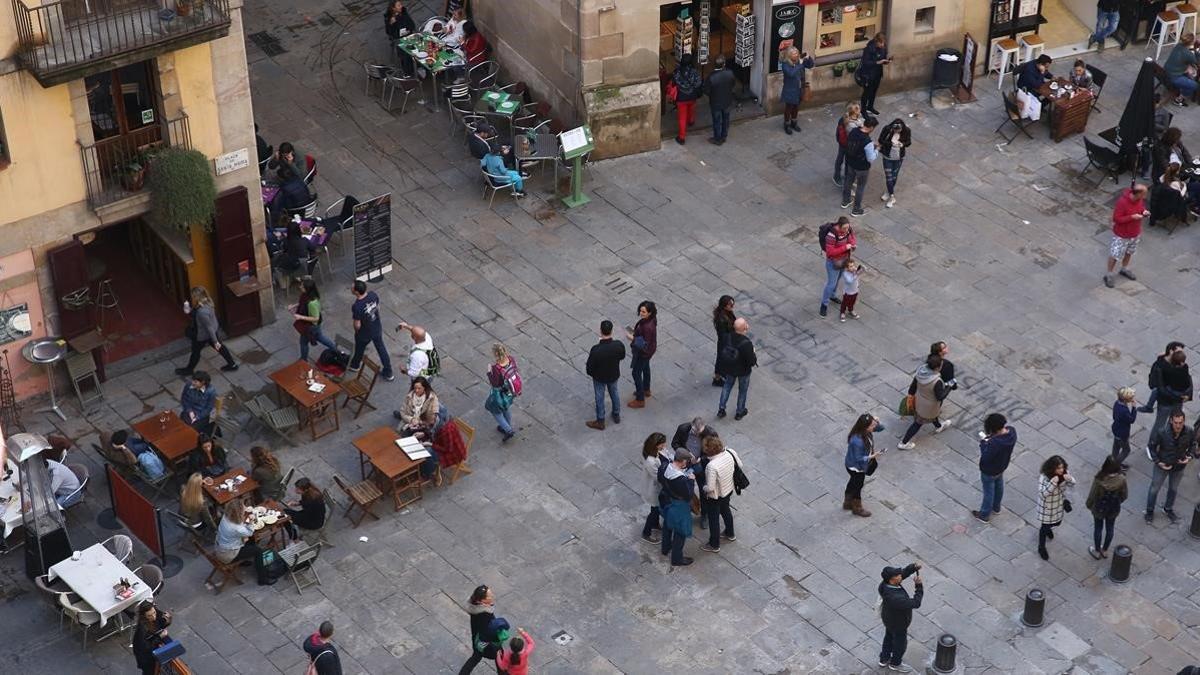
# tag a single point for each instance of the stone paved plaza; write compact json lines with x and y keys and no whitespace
{"x":998,"y":251}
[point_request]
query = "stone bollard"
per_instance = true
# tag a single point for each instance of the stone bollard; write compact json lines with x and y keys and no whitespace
{"x":1194,"y":531}
{"x":947,"y":647}
{"x":1122,"y":560}
{"x":1035,"y":607}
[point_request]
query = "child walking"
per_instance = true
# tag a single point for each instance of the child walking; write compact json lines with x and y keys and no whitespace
{"x":1124,"y":413}
{"x":515,"y":659}
{"x":850,"y":275}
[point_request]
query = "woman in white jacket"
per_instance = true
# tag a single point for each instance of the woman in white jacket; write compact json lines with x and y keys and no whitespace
{"x":718,"y":474}
{"x":654,"y":457}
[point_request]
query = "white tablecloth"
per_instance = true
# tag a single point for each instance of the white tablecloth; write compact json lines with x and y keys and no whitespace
{"x":10,"y":502}
{"x":92,"y":578}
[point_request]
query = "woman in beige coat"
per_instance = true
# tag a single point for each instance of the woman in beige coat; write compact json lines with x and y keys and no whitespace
{"x":929,"y":391}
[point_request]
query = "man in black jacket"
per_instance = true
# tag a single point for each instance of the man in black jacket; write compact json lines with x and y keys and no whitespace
{"x":1155,"y":378}
{"x":1172,"y":451}
{"x":896,"y":612}
{"x":734,"y":361}
{"x":604,"y":367}
{"x":321,"y":652}
{"x":689,"y":436}
{"x":995,"y":452}
{"x":1173,"y":387}
{"x":719,"y":88}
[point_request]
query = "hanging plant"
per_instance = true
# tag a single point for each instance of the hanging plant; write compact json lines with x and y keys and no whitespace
{"x":182,"y":189}
{"x":838,"y":69}
{"x":852,"y":65}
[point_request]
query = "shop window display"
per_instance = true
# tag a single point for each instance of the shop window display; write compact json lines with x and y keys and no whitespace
{"x":847,"y":25}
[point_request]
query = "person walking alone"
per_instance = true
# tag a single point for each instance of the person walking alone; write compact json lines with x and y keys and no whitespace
{"x":505,"y":380}
{"x":643,"y":341}
{"x":723,"y":319}
{"x":995,"y":452}
{"x":870,"y":71}
{"x":1127,"y":218}
{"x":793,"y":64}
{"x":736,"y":361}
{"x":321,"y":653}
{"x":719,"y":88}
{"x":368,"y":329}
{"x":1124,"y":414}
{"x":1172,"y":451}
{"x":202,"y":330}
{"x":1109,"y":491}
{"x":893,"y":141}
{"x":604,"y":367}
{"x":718,"y":476}
{"x":655,"y":456}
{"x":860,"y":152}
{"x":861,"y":460}
{"x":839,"y":243}
{"x":1051,"y":501}
{"x":896,"y":612}
{"x":929,"y":392}
{"x":688,"y":88}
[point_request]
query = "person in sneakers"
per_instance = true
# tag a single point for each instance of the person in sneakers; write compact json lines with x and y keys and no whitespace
{"x":1181,"y":69}
{"x":1127,"y":231}
{"x":1109,"y":490}
{"x":604,"y":367}
{"x":1172,"y":452}
{"x":718,"y":477}
{"x":1108,"y":15}
{"x":860,"y":455}
{"x":995,"y":452}
{"x":1053,"y":482}
{"x":895,"y":610}
{"x":930,"y":391}
{"x":690,"y":436}
{"x":840,"y":242}
{"x":948,"y":373}
{"x":655,"y":456}
{"x":676,"y":500}
{"x":1155,"y":379}
{"x":419,"y":354}
{"x":893,"y":140}
{"x":860,"y":152}
{"x":368,"y":329}
{"x":735,"y":364}
{"x":1174,"y":387}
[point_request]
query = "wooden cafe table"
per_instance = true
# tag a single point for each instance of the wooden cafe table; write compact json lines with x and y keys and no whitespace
{"x":171,"y":436}
{"x":403,"y":475}
{"x":1069,"y":109}
{"x":313,"y":408}
{"x":221,"y":496}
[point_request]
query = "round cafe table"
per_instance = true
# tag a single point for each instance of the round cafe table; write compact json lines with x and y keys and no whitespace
{"x":47,"y":351}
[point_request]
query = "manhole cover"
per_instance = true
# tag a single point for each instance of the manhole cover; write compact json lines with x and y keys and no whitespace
{"x":562,"y":637}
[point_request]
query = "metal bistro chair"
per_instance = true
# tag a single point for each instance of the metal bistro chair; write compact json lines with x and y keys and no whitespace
{"x":81,"y":614}
{"x":460,"y":110}
{"x":490,"y":183}
{"x":120,"y":545}
{"x":307,"y":212}
{"x":81,"y":472}
{"x":345,"y":218}
{"x":406,"y":85}
{"x":152,"y":576}
{"x":434,"y":24}
{"x":53,"y":592}
{"x":1099,"y":77}
{"x":376,"y":73}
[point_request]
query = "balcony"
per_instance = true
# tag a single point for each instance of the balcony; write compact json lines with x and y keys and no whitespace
{"x":106,"y":163}
{"x":69,"y":39}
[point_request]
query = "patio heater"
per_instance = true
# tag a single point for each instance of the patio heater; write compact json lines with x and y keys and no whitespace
{"x":46,"y":540}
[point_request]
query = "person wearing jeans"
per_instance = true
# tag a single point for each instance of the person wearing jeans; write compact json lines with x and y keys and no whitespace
{"x":307,"y":314}
{"x":1181,"y":66}
{"x":893,"y":140}
{"x":1172,"y":451}
{"x":860,"y":152}
{"x":736,"y":360}
{"x":368,"y":329}
{"x":503,"y":375}
{"x":718,"y":476}
{"x":677,"y":489}
{"x":995,"y":451}
{"x":604,"y":367}
{"x":1108,"y":16}
{"x":839,"y":243}
{"x":1109,"y":490}
{"x":643,"y":341}
{"x":719,"y":88}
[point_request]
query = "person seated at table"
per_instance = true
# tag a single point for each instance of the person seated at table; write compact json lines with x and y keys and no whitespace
{"x":1034,"y":74}
{"x":192,"y":504}
{"x":150,"y":634}
{"x":452,"y":32}
{"x":197,"y":402}
{"x":1169,"y":197}
{"x":308,"y":513}
{"x":397,"y":23}
{"x":475,"y":46}
{"x":264,"y":468}
{"x":418,"y":413}
{"x":208,"y":457}
{"x":286,"y":156}
{"x":138,"y":451}
{"x":294,"y":252}
{"x":293,"y":193}
{"x":1080,"y":77}
{"x":64,"y":484}
{"x":481,"y":142}
{"x":500,"y":175}
{"x":1170,"y":150}
{"x":1181,"y":69}
{"x":234,"y":536}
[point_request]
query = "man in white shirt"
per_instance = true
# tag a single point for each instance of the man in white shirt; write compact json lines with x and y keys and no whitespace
{"x":64,"y":484}
{"x":418,"y":355}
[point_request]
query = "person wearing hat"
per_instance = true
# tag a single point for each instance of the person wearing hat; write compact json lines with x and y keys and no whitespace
{"x":676,"y":505}
{"x":895,"y":609}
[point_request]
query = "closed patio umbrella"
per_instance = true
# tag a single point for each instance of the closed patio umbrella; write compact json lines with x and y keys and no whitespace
{"x":1137,"y":120}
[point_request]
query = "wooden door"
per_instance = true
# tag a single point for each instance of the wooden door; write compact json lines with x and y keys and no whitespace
{"x":233,"y":244}
{"x":68,"y":273}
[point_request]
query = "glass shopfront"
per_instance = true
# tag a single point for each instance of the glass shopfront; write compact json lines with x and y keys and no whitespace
{"x":844,"y":27}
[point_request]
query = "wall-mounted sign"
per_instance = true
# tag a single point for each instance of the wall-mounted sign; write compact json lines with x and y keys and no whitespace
{"x":231,"y":161}
{"x":786,"y":22}
{"x":148,"y":116}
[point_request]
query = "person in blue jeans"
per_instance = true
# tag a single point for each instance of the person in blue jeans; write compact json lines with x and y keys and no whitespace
{"x":500,"y":175}
{"x":643,"y":341}
{"x":1181,"y":67}
{"x":307,"y":315}
{"x":604,"y":367}
{"x":1108,"y":16}
{"x":839,"y":243}
{"x":735,"y":362}
{"x":368,"y":329}
{"x":719,"y":88}
{"x":996,"y":445}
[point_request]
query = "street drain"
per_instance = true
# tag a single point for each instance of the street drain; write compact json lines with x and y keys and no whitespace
{"x":618,"y":284}
{"x":267,"y":42}
{"x":562,"y":638}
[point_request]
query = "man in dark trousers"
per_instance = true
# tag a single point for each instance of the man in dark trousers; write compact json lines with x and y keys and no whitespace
{"x":604,"y":367}
{"x":1172,"y":451}
{"x":995,"y":451}
{"x":896,"y":611}
{"x":860,"y":152}
{"x":321,"y":652}
{"x":1173,"y":387}
{"x":368,"y":329}
{"x":719,"y":88}
{"x":735,"y":361}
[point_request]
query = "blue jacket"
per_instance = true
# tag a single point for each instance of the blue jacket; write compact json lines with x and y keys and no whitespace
{"x":857,"y":452}
{"x":1031,"y":78}
{"x":1123,"y":418}
{"x":197,"y":401}
{"x":494,"y":165}
{"x":793,"y":80}
{"x":995,"y":452}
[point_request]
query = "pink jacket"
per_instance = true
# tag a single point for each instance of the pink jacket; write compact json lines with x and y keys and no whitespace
{"x":839,"y":247}
{"x":504,"y":658}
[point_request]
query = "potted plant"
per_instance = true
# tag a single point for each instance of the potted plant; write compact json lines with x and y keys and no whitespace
{"x":852,"y":65}
{"x":838,"y":69}
{"x":182,"y":189}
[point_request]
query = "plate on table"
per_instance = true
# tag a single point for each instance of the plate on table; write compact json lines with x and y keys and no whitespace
{"x":1053,"y":86}
{"x":270,"y":519}
{"x":422,"y":54}
{"x":257,"y":525}
{"x":260,"y":511}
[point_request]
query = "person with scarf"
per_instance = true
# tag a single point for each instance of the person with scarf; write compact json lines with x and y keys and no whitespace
{"x":482,"y":608}
{"x":675,"y":501}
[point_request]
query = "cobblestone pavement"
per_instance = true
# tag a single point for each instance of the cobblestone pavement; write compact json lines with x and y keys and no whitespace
{"x":997,"y":250}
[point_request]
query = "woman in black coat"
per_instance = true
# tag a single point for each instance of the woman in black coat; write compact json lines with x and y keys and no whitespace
{"x":723,"y":319}
{"x":150,"y":634}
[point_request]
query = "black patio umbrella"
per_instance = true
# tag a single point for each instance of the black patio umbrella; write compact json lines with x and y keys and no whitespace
{"x":1137,"y":121}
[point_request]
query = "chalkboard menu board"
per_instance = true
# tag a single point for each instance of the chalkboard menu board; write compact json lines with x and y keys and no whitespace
{"x":373,"y":238}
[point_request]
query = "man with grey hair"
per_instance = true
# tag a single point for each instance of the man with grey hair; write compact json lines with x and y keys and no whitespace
{"x":688,"y":435}
{"x":719,"y":87}
{"x":734,"y":362}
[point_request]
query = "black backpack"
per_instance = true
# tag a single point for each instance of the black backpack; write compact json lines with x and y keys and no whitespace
{"x":1109,"y":503}
{"x":269,"y":567}
{"x":333,"y":357}
{"x":729,"y":358}
{"x":822,"y":234}
{"x":856,"y":146}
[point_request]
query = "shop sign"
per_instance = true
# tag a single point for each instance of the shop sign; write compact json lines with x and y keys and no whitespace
{"x":233,"y":161}
{"x":786,"y":22}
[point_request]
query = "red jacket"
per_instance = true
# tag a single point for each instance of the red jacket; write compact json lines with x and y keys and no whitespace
{"x":476,"y":49}
{"x":837,"y":247}
{"x":1127,"y":216}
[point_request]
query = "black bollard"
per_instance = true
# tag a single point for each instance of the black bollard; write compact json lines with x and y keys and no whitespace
{"x":947,"y":646}
{"x":1195,"y":529}
{"x":1035,"y":607}
{"x":1122,"y":560}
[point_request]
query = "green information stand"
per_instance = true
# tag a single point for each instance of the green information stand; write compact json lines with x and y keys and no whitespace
{"x":575,"y":144}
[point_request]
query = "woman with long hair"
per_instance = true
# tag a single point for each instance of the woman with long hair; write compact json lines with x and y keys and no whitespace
{"x":202,"y":330}
{"x":1109,"y":491}
{"x":643,"y":343}
{"x":654,"y":457}
{"x":192,"y":502}
{"x":893,"y":140}
{"x":515,"y":659}
{"x":870,"y":71}
{"x":723,"y":319}
{"x":482,"y":608}
{"x":208,"y":457}
{"x":1053,"y":481}
{"x":505,"y":380}
{"x":265,"y":469}
{"x":309,"y":512}
{"x":149,"y":634}
{"x":860,"y":458}
{"x":307,"y":319}
{"x":234,"y":537}
{"x":792,"y":63}
{"x":418,"y":413}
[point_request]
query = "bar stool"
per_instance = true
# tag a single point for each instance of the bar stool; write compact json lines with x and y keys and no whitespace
{"x":1165,"y":32}
{"x":1186,"y":10}
{"x":1004,"y":59}
{"x":106,"y":298}
{"x":1032,"y":47}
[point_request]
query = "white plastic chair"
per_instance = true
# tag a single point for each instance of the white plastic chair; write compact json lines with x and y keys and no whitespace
{"x":120,"y":546}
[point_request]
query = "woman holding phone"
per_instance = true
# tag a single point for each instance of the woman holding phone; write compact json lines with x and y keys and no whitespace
{"x":860,"y":461}
{"x":870,"y":71}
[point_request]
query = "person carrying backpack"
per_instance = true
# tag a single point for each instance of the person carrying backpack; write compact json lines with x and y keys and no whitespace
{"x":837,"y":243}
{"x":423,"y":359}
{"x":852,"y":120}
{"x":736,"y":360}
{"x":323,"y":656}
{"x":505,"y":379}
{"x":1109,"y":490}
{"x":861,"y":151}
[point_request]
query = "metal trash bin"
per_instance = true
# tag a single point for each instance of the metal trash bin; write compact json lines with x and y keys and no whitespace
{"x":945,"y":70}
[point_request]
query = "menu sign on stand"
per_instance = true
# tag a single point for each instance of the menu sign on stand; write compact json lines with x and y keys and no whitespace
{"x":373,"y":238}
{"x":575,"y":144}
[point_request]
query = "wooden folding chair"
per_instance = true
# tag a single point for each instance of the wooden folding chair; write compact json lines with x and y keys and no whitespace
{"x":360,"y":387}
{"x":228,"y":571}
{"x":363,"y":494}
{"x":468,"y":433}
{"x":300,"y":558}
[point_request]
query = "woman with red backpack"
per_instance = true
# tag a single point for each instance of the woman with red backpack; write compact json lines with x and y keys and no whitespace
{"x":505,"y":379}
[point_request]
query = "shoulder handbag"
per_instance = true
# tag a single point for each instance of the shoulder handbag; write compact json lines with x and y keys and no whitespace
{"x":871,"y":466}
{"x":169,"y":651}
{"x":908,"y":406}
{"x":860,"y":78}
{"x":740,"y":481}
{"x":312,"y":665}
{"x":672,"y":91}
